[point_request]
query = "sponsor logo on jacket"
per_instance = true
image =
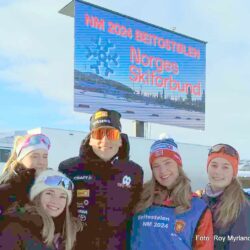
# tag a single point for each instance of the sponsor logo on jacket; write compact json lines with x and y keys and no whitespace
{"x":179,"y":226}
{"x":82,"y":193}
{"x":126,"y":182}
{"x":101,"y":114}
{"x":83,"y":177}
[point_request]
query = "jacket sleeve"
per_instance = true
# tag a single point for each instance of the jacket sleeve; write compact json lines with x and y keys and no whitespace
{"x":204,"y":239}
{"x":138,"y":189}
{"x":63,"y":168}
{"x":135,"y":198}
{"x":7,"y":196}
{"x":11,"y":236}
{"x":17,"y":188}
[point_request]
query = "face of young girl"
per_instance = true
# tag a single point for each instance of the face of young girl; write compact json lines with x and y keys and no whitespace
{"x":37,"y":159}
{"x":165,"y":171}
{"x":53,"y":201}
{"x":220,"y":173}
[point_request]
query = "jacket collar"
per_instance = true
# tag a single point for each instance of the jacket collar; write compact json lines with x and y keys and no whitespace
{"x":210,"y":193}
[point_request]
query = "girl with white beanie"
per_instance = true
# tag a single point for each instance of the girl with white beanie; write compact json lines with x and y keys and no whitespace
{"x":45,"y":222}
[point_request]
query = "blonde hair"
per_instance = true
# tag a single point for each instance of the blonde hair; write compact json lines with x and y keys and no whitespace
{"x":71,"y":224}
{"x":230,"y":204}
{"x":11,"y":164}
{"x":154,"y":193}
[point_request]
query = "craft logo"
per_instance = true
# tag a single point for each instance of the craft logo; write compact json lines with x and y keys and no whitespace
{"x":83,"y":177}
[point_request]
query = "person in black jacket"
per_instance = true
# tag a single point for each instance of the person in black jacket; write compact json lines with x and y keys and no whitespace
{"x":29,"y":156}
{"x":107,"y":184}
{"x":45,"y":222}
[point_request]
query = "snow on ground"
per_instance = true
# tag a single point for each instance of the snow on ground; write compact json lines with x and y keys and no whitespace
{"x":90,"y":101}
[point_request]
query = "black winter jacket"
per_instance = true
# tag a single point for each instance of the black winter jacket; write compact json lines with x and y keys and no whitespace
{"x":16,"y":189}
{"x":105,"y":196}
{"x":21,"y":230}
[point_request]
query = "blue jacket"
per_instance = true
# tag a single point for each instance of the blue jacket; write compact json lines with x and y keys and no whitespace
{"x":158,"y":227}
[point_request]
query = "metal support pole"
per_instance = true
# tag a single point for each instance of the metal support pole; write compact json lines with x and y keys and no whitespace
{"x":139,"y":129}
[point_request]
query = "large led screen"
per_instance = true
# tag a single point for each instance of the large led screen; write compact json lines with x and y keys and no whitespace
{"x":145,"y":72}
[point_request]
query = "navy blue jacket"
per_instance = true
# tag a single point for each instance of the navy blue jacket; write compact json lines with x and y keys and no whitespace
{"x":235,"y":232}
{"x":104,"y":197}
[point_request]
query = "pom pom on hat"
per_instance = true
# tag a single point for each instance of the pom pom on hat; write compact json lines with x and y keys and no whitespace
{"x":165,"y":147}
{"x":164,"y":136}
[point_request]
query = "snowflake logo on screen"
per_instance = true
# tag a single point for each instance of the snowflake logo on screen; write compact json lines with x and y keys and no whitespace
{"x":104,"y":59}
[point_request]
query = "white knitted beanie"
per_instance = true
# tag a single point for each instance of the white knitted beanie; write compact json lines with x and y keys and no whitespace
{"x":40,"y":185}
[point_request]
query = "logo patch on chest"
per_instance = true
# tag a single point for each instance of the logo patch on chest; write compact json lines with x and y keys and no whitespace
{"x":126,"y":182}
{"x":179,"y":226}
{"x":82,"y":192}
{"x":86,"y":178}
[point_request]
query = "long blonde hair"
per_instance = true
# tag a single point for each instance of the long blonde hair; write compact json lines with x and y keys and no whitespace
{"x":11,"y":164}
{"x":71,"y":224}
{"x":154,"y":193}
{"x":230,"y":204}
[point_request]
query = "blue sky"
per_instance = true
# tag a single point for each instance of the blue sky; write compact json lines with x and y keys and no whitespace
{"x":37,"y":61}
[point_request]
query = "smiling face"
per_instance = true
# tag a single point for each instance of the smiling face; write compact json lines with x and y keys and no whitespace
{"x":37,"y":159}
{"x":53,"y":201}
{"x":105,"y":148}
{"x":220,"y":173}
{"x":165,"y":171}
